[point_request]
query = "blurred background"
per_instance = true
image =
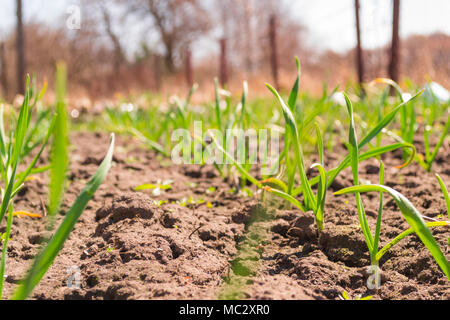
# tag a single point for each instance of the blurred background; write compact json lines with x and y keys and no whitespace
{"x":116,"y":47}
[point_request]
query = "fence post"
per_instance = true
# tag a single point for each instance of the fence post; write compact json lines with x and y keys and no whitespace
{"x":274,"y":50}
{"x":359,"y":54}
{"x":3,"y":74}
{"x":223,"y":63}
{"x":394,"y":63}
{"x":188,"y":68}
{"x":157,"y":71}
{"x":20,"y":47}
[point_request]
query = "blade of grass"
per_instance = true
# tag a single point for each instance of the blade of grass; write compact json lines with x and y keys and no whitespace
{"x":353,"y":150}
{"x":445,"y":193}
{"x":376,"y":236}
{"x":321,"y":194}
{"x":444,"y":133}
{"x":292,"y":101}
{"x":287,"y":197}
{"x":217,"y":104}
{"x":59,"y":149}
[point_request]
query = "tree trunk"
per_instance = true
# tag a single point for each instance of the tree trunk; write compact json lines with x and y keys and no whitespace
{"x":119,"y":56}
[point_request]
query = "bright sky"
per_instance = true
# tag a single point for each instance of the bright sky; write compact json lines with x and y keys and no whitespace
{"x":330,"y":23}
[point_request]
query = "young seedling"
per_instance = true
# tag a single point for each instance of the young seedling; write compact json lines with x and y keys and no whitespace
{"x":374,"y":152}
{"x":410,"y":213}
{"x":292,"y":137}
{"x":12,"y":153}
{"x":47,"y":255}
{"x":12,"y":146}
{"x":311,"y":202}
{"x":226,"y":121}
{"x":156,"y":188}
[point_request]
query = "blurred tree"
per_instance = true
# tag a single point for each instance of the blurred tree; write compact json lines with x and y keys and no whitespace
{"x":100,"y":10}
{"x":246,"y":24}
{"x":119,"y":55}
{"x":177,"y":22}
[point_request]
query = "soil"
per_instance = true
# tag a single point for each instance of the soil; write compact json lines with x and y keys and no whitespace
{"x":219,"y":244}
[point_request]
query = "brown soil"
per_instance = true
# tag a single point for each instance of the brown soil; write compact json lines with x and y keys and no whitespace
{"x":127,"y":246}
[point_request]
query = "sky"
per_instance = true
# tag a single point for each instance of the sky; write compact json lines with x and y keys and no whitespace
{"x":329,"y":23}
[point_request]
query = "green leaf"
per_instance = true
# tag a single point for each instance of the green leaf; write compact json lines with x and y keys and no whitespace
{"x":287,"y":197}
